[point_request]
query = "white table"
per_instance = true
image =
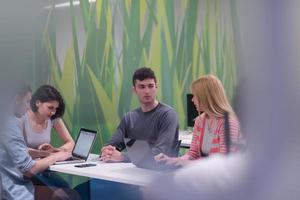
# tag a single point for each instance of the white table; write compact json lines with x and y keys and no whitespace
{"x":186,"y":138}
{"x":118,"y":172}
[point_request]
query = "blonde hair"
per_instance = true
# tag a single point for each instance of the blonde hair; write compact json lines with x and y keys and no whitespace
{"x":211,"y":96}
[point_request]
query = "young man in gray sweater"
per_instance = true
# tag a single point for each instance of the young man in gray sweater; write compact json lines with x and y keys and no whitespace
{"x":153,"y":121}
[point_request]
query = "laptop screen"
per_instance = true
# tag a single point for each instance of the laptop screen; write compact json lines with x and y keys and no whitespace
{"x":84,"y":143}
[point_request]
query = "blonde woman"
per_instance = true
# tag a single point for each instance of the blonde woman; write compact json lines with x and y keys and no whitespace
{"x":208,"y":132}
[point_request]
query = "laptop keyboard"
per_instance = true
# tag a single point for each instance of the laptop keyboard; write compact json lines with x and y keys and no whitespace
{"x":73,"y":158}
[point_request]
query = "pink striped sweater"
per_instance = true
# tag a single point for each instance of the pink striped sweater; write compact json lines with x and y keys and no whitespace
{"x":217,"y":144}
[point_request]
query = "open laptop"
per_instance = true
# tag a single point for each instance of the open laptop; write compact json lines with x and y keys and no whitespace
{"x":82,"y":148}
{"x":140,"y":154}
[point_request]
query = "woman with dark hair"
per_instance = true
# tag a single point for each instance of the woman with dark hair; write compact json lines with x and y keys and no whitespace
{"x":46,"y":109}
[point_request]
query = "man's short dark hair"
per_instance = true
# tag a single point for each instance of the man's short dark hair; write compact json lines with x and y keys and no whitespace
{"x":142,"y":74}
{"x":47,"y":93}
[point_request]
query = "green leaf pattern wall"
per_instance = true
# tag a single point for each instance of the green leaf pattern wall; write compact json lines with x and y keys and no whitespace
{"x":91,"y":50}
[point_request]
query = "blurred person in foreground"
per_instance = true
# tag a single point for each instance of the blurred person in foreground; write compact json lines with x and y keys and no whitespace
{"x":17,"y":166}
{"x":208,"y":132}
{"x":268,"y":105}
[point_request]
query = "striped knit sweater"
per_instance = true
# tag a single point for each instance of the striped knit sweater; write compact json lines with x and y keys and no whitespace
{"x":218,"y":140}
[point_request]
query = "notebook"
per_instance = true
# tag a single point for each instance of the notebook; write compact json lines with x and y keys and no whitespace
{"x":82,"y":148}
{"x":140,"y":154}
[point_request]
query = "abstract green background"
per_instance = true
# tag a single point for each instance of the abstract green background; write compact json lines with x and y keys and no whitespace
{"x":89,"y":52}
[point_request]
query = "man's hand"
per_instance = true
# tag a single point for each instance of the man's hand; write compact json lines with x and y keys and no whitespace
{"x":111,"y":154}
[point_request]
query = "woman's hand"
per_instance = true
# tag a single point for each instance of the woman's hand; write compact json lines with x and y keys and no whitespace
{"x":171,"y":161}
{"x":177,"y":162}
{"x":45,"y":147}
{"x":161,"y":158}
{"x":36,"y":154}
{"x":61,"y":155}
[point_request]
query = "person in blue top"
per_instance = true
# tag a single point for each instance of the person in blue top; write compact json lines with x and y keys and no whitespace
{"x":16,"y":165}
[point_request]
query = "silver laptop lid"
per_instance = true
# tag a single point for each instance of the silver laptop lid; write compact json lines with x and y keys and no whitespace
{"x":137,"y":150}
{"x":140,"y":154}
{"x":84,"y":143}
